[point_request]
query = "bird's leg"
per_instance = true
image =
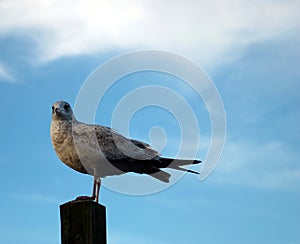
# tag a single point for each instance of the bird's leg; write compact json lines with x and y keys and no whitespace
{"x":94,"y":189}
{"x":93,"y":197}
{"x":97,"y":184}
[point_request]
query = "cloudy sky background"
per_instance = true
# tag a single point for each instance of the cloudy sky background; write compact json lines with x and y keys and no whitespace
{"x":251,"y":52}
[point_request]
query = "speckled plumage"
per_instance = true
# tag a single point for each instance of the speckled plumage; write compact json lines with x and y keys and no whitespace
{"x":62,"y":140}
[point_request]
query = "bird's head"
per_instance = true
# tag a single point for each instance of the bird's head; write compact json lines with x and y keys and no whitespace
{"x":62,"y":110}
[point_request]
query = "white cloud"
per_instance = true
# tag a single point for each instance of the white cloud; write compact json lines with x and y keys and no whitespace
{"x":211,"y":32}
{"x":271,"y":165}
{"x":5,"y":75}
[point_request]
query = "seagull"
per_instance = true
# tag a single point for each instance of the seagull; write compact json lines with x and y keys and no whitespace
{"x":101,"y":151}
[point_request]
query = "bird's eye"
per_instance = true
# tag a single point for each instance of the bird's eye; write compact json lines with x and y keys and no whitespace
{"x":67,"y":107}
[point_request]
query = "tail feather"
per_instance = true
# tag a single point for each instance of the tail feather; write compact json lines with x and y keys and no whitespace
{"x":141,"y":167}
{"x":185,"y":170}
{"x":153,"y":167}
{"x":162,"y":176}
{"x":173,"y":163}
{"x":178,"y":162}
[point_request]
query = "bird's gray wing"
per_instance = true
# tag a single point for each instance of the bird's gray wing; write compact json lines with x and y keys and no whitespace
{"x":115,"y":146}
{"x":99,"y":145}
{"x":128,"y":155}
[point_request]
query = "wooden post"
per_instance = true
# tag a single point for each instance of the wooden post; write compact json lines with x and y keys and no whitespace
{"x":83,"y":222}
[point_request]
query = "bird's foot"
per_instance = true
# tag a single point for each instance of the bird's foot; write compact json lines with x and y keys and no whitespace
{"x":85,"y":198}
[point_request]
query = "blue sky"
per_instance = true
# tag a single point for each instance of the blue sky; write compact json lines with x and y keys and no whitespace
{"x":251,"y":52}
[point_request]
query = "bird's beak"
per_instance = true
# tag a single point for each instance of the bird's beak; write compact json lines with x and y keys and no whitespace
{"x":57,"y":110}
